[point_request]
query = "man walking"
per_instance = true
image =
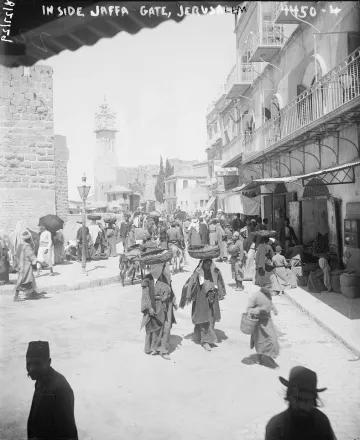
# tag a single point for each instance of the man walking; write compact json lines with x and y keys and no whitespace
{"x":236,"y":250}
{"x":302,"y":420}
{"x":288,"y":237}
{"x":204,"y":232}
{"x":125,"y":228}
{"x":52,"y":409}
{"x":237,"y":224}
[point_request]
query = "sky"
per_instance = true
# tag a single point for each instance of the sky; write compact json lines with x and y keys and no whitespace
{"x":159,"y":82}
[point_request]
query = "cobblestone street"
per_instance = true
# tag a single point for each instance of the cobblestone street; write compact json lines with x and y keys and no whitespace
{"x":120,"y":392}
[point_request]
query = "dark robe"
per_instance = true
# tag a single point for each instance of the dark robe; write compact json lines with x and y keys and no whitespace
{"x":204,"y":233}
{"x":52,"y":409}
{"x":283,"y":426}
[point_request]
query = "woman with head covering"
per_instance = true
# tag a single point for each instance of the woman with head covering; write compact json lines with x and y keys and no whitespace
{"x":15,"y":240}
{"x":263,"y":264}
{"x":26,"y":259}
{"x":194,"y":233}
{"x":249,"y":248}
{"x":204,"y":290}
{"x":46,"y":250}
{"x":59,"y":247}
{"x":157,"y":305}
{"x":4,"y":259}
{"x":221,"y":241}
{"x":282,"y":278}
{"x":264,"y":338}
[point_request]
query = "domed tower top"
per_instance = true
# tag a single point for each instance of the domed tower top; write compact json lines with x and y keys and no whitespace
{"x":105,"y":119}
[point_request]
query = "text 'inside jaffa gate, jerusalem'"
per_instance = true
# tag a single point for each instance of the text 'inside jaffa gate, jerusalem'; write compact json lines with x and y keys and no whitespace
{"x":179,"y":220}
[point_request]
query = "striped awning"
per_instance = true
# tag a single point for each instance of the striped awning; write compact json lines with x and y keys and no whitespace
{"x":38,"y":32}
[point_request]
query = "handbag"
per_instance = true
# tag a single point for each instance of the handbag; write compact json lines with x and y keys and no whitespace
{"x":248,"y":324}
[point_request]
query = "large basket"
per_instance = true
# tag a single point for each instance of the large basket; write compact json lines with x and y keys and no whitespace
{"x":157,"y":256}
{"x":110,"y":219}
{"x":248,"y":324}
{"x":204,"y":252}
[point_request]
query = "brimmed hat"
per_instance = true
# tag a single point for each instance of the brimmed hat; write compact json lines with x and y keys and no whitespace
{"x":278,"y":249}
{"x":38,"y":349}
{"x":302,"y":379}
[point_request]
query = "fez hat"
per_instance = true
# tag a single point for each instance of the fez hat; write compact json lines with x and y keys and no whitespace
{"x":38,"y":349}
{"x":278,"y":249}
{"x":26,"y":235}
{"x":302,"y":379}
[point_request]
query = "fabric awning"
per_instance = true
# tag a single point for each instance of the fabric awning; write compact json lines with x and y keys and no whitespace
{"x":210,"y":203}
{"x":290,"y":179}
{"x":37,"y":36}
{"x":238,"y":203}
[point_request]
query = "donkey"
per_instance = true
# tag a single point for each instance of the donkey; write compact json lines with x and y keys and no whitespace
{"x":128,"y":268}
{"x":177,"y":259}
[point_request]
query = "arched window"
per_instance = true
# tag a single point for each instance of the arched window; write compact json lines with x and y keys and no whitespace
{"x":185,"y":184}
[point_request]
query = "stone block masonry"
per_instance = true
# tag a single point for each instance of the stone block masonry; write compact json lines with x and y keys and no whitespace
{"x":61,"y":177}
{"x":27,"y":150}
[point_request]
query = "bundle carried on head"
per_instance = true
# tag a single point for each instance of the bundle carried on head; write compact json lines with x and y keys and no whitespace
{"x":110,"y":219}
{"x":265,"y":234}
{"x":156,"y":256}
{"x":205,"y":252}
{"x":94,"y":217}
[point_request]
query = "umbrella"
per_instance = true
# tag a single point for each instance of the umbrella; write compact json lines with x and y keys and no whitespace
{"x":52,"y":223}
{"x":155,"y":214}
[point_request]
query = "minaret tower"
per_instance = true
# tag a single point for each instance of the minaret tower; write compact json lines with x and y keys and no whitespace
{"x":105,"y":153}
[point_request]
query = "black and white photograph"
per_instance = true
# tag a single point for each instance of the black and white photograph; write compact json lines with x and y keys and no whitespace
{"x":179,"y":220}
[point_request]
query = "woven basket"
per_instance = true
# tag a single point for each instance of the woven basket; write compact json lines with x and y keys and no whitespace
{"x":247,"y":324}
{"x":204,"y":252}
{"x":157,"y":256}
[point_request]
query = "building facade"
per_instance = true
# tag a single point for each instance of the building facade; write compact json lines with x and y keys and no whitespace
{"x":187,"y":189}
{"x":295,"y":98}
{"x":33,"y":162}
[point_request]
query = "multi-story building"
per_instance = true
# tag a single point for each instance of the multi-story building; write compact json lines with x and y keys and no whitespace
{"x":186,"y":189}
{"x":295,"y":95}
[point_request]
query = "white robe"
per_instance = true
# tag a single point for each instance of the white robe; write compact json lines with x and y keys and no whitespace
{"x":94,"y":232}
{"x":46,"y":244}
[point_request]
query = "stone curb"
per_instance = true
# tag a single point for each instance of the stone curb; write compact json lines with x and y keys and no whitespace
{"x":9,"y":289}
{"x":324,"y":326}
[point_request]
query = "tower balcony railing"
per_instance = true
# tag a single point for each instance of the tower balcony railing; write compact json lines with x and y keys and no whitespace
{"x":331,"y":92}
{"x":265,"y":42}
{"x":240,"y":79}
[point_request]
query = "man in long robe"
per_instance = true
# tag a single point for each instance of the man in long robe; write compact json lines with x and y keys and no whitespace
{"x":52,"y":409}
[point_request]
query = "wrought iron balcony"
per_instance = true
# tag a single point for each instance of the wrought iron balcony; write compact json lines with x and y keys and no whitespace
{"x":240,"y":79}
{"x":264,"y":43}
{"x":325,"y":100}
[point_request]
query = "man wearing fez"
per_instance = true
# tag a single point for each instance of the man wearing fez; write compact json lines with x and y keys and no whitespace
{"x":52,"y":409}
{"x":302,"y":420}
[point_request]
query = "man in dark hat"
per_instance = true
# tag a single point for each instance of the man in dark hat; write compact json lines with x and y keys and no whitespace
{"x":302,"y":420}
{"x":52,"y":409}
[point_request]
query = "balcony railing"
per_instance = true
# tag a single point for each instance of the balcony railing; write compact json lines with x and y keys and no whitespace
{"x":217,"y":98}
{"x":265,"y":42}
{"x":214,"y":138}
{"x":240,"y":78}
{"x":234,"y":148}
{"x":338,"y":87}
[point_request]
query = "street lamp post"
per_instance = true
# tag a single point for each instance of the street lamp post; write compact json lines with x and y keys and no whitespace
{"x":83,"y":192}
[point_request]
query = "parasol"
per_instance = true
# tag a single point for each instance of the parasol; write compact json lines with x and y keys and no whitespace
{"x":51,"y":222}
{"x":154,"y":214}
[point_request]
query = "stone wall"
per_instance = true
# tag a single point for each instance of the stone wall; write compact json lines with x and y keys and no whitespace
{"x":61,"y":177}
{"x":27,"y":156}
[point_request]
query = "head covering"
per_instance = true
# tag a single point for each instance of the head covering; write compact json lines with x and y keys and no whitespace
{"x":236,"y":234}
{"x":278,"y":249}
{"x":26,"y":235}
{"x":38,"y":349}
{"x":194,"y":224}
{"x":302,"y":379}
{"x":156,"y":270}
{"x":252,"y":220}
{"x":272,"y":240}
{"x":16,"y":235}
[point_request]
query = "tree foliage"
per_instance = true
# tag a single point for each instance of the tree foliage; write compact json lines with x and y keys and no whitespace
{"x":160,"y":184}
{"x":169,"y":170}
